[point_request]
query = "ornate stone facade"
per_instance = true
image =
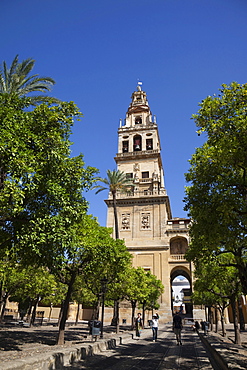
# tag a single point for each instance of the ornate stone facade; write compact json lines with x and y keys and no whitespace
{"x":156,"y":240}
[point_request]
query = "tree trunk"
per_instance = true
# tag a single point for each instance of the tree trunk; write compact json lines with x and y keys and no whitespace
{"x":4,"y":300}
{"x":211,"y":318}
{"x":216,"y":319}
{"x":60,"y":313}
{"x":60,"y":338}
{"x":117,"y":316}
{"x":143,"y":314}
{"x":77,"y":314}
{"x":96,"y":311}
{"x":49,"y":318}
{"x":34,"y":311}
{"x":222,"y":319}
{"x":115,"y":214}
{"x":1,"y":296}
{"x":241,"y":315}
{"x":243,"y":277}
{"x":114,"y":317}
{"x":29,"y":311}
{"x":133,"y":306}
{"x":235,"y":322}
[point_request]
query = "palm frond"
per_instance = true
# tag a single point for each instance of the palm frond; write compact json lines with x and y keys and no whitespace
{"x":116,"y":181}
{"x":2,"y":83}
{"x":25,"y":66}
{"x":16,"y":80}
{"x":100,"y":188}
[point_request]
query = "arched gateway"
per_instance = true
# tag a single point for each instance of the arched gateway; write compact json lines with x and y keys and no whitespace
{"x":156,"y":240}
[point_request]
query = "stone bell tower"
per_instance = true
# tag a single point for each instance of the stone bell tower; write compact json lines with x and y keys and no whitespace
{"x":156,"y":240}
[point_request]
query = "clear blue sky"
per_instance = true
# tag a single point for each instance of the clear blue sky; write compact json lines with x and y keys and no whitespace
{"x":96,"y":50}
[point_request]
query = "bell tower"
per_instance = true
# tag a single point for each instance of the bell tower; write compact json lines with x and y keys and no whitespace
{"x":144,"y":214}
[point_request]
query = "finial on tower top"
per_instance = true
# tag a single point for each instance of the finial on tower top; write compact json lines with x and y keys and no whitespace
{"x":139,"y":84}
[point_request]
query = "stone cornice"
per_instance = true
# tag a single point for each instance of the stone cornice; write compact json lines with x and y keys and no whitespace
{"x":148,"y":248}
{"x":139,"y":200}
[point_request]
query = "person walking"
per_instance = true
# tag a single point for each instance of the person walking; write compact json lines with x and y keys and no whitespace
{"x":177,"y":327}
{"x":155,"y":327}
{"x":138,"y":324}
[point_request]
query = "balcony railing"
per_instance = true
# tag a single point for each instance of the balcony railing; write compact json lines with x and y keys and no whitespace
{"x":147,"y":179}
{"x":133,"y":154}
{"x":139,"y":194}
{"x":177,"y":257}
{"x":182,"y":225}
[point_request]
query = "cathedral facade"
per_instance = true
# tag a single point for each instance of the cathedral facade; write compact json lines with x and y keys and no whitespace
{"x":156,"y":240}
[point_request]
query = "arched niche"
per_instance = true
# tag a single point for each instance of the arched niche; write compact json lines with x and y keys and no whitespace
{"x":178,"y":245}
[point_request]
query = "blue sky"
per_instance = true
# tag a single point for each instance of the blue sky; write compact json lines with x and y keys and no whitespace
{"x":96,"y":50}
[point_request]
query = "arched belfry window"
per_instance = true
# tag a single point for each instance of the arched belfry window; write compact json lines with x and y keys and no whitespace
{"x":137,"y":143}
{"x":149,"y":144}
{"x":125,"y":146}
{"x":138,"y":120}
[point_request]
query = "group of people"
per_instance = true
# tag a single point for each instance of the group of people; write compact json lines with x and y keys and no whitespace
{"x":177,"y":326}
{"x":154,"y":325}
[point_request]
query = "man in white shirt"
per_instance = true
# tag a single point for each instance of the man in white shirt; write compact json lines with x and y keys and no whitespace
{"x":155,"y":327}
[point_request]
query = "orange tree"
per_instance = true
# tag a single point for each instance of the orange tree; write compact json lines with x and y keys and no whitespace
{"x":216,"y":197}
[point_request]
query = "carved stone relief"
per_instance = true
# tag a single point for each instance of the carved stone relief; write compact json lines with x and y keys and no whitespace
{"x":145,"y":221}
{"x":136,"y":167}
{"x":125,"y":221}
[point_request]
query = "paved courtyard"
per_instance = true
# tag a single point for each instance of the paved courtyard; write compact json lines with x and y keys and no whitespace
{"x":21,"y":346}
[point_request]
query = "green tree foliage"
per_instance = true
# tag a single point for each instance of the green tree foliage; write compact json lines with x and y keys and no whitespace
{"x":82,"y":294}
{"x":16,"y":81}
{"x":219,"y":285}
{"x":40,"y":184}
{"x":110,"y":262}
{"x":136,"y":289}
{"x":153,"y":288}
{"x":25,"y":285}
{"x":116,"y":181}
{"x":34,"y":284}
{"x":94,"y":254}
{"x":143,"y":289}
{"x":217,"y":195}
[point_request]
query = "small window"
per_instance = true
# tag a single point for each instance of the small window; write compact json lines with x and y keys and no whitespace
{"x":125,"y":146}
{"x":129,"y":175}
{"x":149,"y":144}
{"x":145,"y":175}
{"x":138,"y":121}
